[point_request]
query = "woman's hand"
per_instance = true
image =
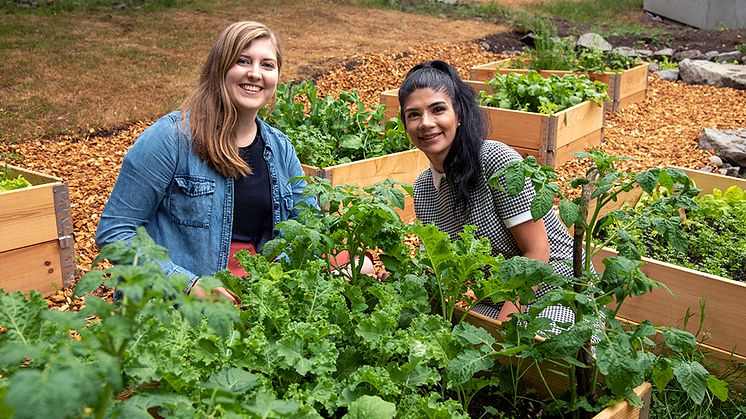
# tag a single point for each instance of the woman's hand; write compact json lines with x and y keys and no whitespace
{"x":508,"y":308}
{"x":198,"y":292}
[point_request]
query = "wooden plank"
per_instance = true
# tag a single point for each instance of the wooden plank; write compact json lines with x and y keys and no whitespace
{"x":309,"y":170}
{"x":36,"y":178}
{"x":633,"y":82}
{"x":578,"y":122}
{"x":630,"y":100}
{"x":403,"y":166}
{"x":709,"y":181}
{"x":564,"y":154}
{"x":717,"y":361}
{"x":624,"y":410}
{"x":28,"y":217}
{"x":516,"y":128}
{"x":35,"y":267}
{"x":391,"y":100}
{"x":630,"y":88}
{"x":723,"y":324}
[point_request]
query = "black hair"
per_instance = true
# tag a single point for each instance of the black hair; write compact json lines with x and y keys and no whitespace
{"x":462,"y":162}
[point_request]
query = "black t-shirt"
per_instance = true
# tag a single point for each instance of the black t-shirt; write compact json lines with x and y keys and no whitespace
{"x":252,"y":198}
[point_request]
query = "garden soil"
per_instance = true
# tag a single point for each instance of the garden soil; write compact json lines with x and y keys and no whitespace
{"x":662,"y":130}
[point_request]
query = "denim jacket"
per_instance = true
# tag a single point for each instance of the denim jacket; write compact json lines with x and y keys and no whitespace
{"x":184,"y":204}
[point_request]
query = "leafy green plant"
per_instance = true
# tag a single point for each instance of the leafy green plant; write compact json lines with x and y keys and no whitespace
{"x":549,"y":52}
{"x":711,"y":238}
{"x":327,"y":131}
{"x":553,"y":53}
{"x":622,"y":354}
{"x":667,"y":64}
{"x":531,"y":92}
{"x":8,"y":184}
{"x":596,"y":61}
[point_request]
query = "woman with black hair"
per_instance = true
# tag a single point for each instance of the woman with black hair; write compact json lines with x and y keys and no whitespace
{"x":443,"y":119}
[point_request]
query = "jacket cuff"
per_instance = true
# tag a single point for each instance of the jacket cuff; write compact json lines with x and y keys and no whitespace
{"x":193,"y":280}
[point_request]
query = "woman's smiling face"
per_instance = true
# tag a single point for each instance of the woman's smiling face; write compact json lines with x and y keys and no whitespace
{"x":431,"y":123}
{"x":251,"y":82}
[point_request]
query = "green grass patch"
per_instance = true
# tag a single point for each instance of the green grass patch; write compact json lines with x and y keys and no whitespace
{"x":68,"y":6}
{"x":491,"y":12}
{"x":596,"y":12}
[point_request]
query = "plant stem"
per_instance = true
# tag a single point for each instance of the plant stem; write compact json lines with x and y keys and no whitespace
{"x":583,"y":377}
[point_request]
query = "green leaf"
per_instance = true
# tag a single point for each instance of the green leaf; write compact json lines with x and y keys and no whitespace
{"x":662,"y":376}
{"x":692,"y":377}
{"x":717,"y":387}
{"x":463,"y":368}
{"x":543,"y":201}
{"x":569,"y":212}
{"x":370,"y":407}
{"x":45,"y":394}
{"x":266,"y":405}
{"x":680,"y":341}
{"x":234,"y":380}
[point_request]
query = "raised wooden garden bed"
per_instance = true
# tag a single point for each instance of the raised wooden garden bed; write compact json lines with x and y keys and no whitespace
{"x":549,"y":138}
{"x":556,"y":378}
{"x":36,"y":242}
{"x":404,"y":167}
{"x":625,"y":87}
{"x":724,"y":328}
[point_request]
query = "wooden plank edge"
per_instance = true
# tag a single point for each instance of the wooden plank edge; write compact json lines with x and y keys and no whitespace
{"x":624,"y":410}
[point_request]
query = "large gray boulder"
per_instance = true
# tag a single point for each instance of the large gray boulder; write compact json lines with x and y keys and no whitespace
{"x":713,"y":74}
{"x":729,"y":145}
{"x":593,"y":40}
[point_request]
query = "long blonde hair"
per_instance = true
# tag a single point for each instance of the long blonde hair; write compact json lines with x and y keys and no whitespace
{"x":213,"y":117}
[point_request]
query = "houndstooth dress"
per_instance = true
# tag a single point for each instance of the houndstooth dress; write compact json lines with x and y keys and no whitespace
{"x":494,"y":212}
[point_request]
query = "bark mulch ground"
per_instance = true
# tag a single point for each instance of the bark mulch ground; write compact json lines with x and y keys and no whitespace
{"x":662,"y":130}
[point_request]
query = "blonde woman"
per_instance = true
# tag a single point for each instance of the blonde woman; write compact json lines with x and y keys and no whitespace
{"x":211,"y":178}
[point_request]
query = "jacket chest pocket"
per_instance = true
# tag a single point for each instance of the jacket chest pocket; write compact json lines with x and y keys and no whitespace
{"x":190,"y":201}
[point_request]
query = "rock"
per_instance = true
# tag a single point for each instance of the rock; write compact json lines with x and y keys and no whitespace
{"x":654,"y":18}
{"x":729,"y":145}
{"x":448,"y":1}
{"x":710,"y":55}
{"x":644,"y":53}
{"x":592,"y":40}
{"x":119,"y":6}
{"x":665,"y":52}
{"x":653,"y":66}
{"x":627,"y":51}
{"x":670,"y":75}
{"x":728,"y":57}
{"x":733,"y":171}
{"x":692,"y":54}
{"x":713,"y":74}
{"x":717,"y":161}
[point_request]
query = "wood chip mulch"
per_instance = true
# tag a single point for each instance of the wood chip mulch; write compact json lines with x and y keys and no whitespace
{"x":662,"y":130}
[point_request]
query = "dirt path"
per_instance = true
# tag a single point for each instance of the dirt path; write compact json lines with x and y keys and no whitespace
{"x":74,"y":73}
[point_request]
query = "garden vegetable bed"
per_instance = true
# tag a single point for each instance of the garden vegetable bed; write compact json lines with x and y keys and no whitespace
{"x":341,"y":140}
{"x":557,"y":378}
{"x":625,"y":87}
{"x":36,"y":243}
{"x":723,"y":328}
{"x":549,"y":138}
